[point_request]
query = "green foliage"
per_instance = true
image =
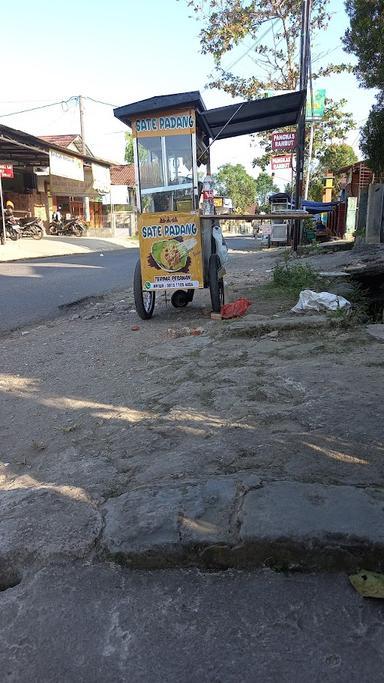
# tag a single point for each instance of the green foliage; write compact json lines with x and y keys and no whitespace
{"x":331,"y":158}
{"x":365,"y":39}
{"x":316,"y":188}
{"x":264,"y":187}
{"x":295,"y":277}
{"x":128,"y":154}
{"x":372,"y":136}
{"x":334,"y":157}
{"x":232,"y":180}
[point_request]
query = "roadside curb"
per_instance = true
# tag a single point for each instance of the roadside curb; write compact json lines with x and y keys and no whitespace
{"x":242,"y":522}
{"x":253,"y":325}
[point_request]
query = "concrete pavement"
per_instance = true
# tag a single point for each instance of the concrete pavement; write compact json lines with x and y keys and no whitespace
{"x":107,"y":624}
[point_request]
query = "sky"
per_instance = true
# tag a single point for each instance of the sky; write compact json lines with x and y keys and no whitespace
{"x":121,"y":51}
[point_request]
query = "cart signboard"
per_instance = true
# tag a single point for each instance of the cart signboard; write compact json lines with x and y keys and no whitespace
{"x":170,"y":251}
{"x":6,"y":171}
{"x":168,"y":123}
{"x":283,"y":141}
{"x":281,"y":162}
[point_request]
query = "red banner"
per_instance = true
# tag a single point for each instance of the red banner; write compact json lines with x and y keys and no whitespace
{"x":6,"y":171}
{"x":279,"y":163}
{"x":283,"y":141}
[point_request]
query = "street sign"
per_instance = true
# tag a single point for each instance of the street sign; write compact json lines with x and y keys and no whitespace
{"x":318,"y":105}
{"x":283,"y":141}
{"x":6,"y":171}
{"x":281,"y":162}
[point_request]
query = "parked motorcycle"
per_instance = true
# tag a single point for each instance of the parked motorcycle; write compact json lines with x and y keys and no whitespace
{"x":12,"y":230}
{"x":31,"y":227}
{"x":74,"y":226}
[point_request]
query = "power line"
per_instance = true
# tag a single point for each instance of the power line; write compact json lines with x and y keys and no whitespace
{"x":55,"y":104}
{"x":107,"y":104}
{"x":44,"y":106}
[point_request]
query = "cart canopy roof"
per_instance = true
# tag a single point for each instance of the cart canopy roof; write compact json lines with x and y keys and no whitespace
{"x":160,"y":103}
{"x":254,"y":116}
{"x":225,"y":122}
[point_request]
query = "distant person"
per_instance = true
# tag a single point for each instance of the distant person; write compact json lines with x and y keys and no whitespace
{"x":57,"y":215}
{"x":9,"y":207}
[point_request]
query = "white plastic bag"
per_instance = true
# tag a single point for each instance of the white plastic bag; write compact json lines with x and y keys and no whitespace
{"x":319,"y":301}
{"x":221,"y":247}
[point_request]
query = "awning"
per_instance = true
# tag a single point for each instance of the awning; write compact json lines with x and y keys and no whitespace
{"x":318,"y":207}
{"x":254,"y":116}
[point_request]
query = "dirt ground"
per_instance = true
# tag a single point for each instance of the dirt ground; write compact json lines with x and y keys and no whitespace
{"x":89,"y":403}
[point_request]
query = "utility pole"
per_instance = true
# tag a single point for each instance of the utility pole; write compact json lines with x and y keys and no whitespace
{"x":87,"y":215}
{"x":312,"y":132}
{"x":304,"y":62}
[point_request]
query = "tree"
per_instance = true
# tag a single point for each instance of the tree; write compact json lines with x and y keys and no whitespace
{"x":264,"y":187}
{"x":128,"y":154}
{"x":232,"y":180}
{"x":372,"y":136}
{"x":334,"y":157}
{"x":274,"y":27}
{"x":365,"y":39}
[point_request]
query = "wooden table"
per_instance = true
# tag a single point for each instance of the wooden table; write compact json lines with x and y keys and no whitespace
{"x":283,"y":215}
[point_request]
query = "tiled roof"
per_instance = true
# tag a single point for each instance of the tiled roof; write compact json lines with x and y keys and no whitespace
{"x":61,"y":140}
{"x":66,"y":140}
{"x":124,"y":174}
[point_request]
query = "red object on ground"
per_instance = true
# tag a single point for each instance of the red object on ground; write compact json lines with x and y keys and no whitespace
{"x":135,"y":328}
{"x":235,"y":308}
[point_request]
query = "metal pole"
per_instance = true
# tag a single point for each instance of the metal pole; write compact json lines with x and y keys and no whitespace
{"x":309,"y":160}
{"x":3,"y":236}
{"x":310,"y":149}
{"x":304,"y":60}
{"x":87,"y":214}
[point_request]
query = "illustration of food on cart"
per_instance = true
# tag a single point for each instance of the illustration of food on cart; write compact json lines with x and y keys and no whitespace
{"x":171,"y":255}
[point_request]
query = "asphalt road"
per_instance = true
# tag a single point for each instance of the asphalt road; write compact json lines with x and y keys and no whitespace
{"x":33,"y":290}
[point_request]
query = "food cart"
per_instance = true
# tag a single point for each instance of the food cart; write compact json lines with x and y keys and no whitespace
{"x":172,"y":135}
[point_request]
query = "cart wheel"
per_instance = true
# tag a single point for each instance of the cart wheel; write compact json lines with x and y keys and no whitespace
{"x":144,"y":301}
{"x":179,"y":299}
{"x":216,"y":284}
{"x":190,"y":295}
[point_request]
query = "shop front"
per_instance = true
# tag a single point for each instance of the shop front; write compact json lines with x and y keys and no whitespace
{"x":45,"y":177}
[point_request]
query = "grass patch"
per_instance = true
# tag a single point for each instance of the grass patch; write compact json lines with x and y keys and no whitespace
{"x":294,"y":278}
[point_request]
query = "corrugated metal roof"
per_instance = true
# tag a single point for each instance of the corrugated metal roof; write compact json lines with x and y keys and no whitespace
{"x":19,"y":146}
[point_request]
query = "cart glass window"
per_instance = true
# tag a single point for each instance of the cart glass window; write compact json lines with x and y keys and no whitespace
{"x":179,"y":159}
{"x":166,"y":177}
{"x":150,"y":162}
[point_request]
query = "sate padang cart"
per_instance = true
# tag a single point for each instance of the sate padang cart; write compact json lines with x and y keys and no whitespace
{"x":172,"y":136}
